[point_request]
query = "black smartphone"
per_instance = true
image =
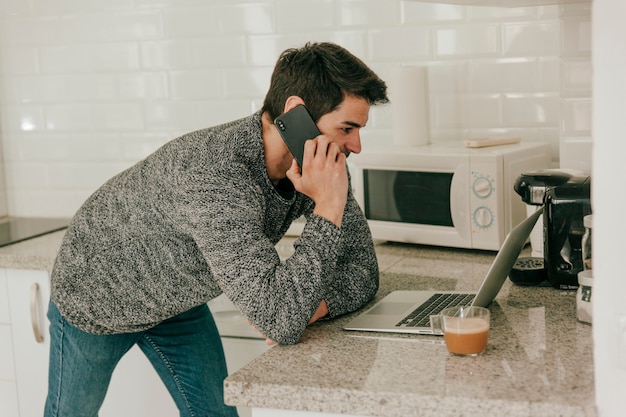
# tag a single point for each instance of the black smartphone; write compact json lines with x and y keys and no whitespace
{"x":296,"y":127}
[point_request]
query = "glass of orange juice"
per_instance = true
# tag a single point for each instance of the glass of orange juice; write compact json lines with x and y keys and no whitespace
{"x":465,"y":329}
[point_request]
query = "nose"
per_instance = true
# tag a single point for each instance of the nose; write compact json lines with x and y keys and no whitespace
{"x":353,"y":144}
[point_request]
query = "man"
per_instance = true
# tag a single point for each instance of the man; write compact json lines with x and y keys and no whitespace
{"x":201,"y":216}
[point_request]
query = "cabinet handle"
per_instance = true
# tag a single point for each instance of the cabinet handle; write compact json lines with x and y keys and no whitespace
{"x":35,"y":312}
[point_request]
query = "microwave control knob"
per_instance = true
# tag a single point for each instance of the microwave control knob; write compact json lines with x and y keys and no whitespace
{"x":482,"y":187}
{"x":483,"y":217}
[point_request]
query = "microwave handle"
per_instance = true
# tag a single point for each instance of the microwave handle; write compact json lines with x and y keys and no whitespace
{"x":460,"y":201}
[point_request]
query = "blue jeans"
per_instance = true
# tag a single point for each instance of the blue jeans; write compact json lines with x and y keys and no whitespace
{"x":186,"y":352}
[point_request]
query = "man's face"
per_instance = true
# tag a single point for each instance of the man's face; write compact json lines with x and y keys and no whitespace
{"x":343,"y":125}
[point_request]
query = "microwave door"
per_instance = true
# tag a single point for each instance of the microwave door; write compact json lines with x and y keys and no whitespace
{"x":460,"y":202}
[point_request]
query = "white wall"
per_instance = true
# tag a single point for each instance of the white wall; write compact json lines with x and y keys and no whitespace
{"x":609,"y":98}
{"x":89,"y":87}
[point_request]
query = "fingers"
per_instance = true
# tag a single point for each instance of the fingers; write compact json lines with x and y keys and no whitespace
{"x":268,"y":341}
{"x":322,"y":150}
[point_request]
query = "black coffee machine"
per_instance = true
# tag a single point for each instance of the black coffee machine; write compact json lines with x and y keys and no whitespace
{"x":566,"y":197}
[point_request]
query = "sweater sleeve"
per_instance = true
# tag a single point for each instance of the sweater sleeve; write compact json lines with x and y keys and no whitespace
{"x":355,"y":278}
{"x":226,"y":214}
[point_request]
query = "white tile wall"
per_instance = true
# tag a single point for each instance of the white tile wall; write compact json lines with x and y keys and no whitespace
{"x":88,"y":88}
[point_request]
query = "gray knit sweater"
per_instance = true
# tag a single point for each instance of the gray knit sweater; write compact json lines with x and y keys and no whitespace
{"x":200,"y":217}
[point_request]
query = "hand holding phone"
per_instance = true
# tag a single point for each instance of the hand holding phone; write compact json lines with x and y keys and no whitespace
{"x":296,"y":127}
{"x":326,"y":181}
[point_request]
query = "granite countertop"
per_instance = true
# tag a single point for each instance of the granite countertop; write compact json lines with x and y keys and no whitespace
{"x":37,"y":254}
{"x":538,"y":361}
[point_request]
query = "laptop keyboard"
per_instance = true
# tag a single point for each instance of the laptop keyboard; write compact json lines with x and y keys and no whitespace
{"x":420,"y":317}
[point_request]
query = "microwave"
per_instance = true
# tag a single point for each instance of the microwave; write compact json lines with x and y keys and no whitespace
{"x":444,"y":194}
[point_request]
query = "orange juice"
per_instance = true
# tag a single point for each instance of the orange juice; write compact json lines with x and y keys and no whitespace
{"x":466,"y":336}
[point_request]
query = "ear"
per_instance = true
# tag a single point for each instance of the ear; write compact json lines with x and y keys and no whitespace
{"x":292,"y":102}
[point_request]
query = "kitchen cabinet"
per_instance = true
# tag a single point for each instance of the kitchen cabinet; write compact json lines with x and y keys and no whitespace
{"x":135,"y":388}
{"x":27,"y":291}
{"x":8,"y":391}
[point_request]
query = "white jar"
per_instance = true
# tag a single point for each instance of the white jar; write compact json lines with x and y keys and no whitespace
{"x":584,"y":306}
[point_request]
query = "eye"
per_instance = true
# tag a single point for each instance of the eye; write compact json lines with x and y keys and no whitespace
{"x":346,"y":130}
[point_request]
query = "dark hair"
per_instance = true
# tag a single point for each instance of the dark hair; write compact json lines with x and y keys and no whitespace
{"x":322,"y":74}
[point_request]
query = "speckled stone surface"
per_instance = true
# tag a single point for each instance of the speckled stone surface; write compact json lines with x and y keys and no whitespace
{"x":538,"y":362}
{"x":37,"y":254}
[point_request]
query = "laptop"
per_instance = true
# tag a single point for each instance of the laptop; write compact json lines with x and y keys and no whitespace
{"x":410,"y":311}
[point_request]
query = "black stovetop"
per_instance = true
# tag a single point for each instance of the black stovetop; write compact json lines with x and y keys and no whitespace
{"x":17,"y":229}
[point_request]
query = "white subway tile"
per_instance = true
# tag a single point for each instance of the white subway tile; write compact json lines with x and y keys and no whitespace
{"x":445,"y":112}
{"x":136,"y":25}
{"x":175,"y":54}
{"x":247,"y":82}
{"x":178,"y":116}
{"x":293,"y":16}
{"x":118,"y":116}
{"x":40,"y":202}
{"x":247,"y":18}
{"x":188,"y":22}
{"x":577,"y":76}
{"x":34,"y":30}
{"x":551,"y":136}
{"x":95,"y":146}
{"x":531,"y":38}
{"x":576,"y":35}
{"x":575,"y":153}
{"x":576,"y":116}
{"x":368,"y":12}
{"x":94,"y":57}
{"x":220,"y":52}
{"x":449,"y":77}
{"x":417,"y":12}
{"x":481,"y":111}
{"x":44,"y":147}
{"x":69,"y":117}
{"x":520,"y":110}
{"x":212,"y":113}
{"x":379,"y":118}
{"x":264,"y":50}
{"x":399,"y":44}
{"x":64,"y":59}
{"x":502,"y":13}
{"x":549,"y":74}
{"x":574,"y":9}
{"x":81,"y":175}
{"x":26,"y":174}
{"x":472,"y":111}
{"x":103,"y":84}
{"x":11,"y":150}
{"x":196,"y":84}
{"x":16,"y":7}
{"x":89,"y":87}
{"x":79,"y":6}
{"x":142,"y":85}
{"x":466,"y":40}
{"x":18,"y":60}
{"x":137,"y":146}
{"x":354,"y":41}
{"x":22,"y":118}
{"x":114,"y":57}
{"x":515,"y":75}
{"x":39,"y":89}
